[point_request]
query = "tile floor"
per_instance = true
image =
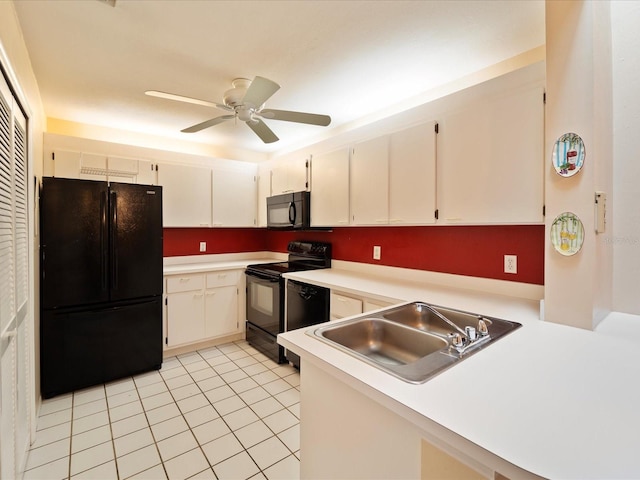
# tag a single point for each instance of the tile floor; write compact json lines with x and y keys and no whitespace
{"x":227,"y":412}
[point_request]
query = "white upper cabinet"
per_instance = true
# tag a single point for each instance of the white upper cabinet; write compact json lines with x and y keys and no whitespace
{"x":91,"y":166}
{"x":264,"y":190}
{"x":87,"y":166}
{"x":490,"y":159}
{"x":186,"y":195}
{"x":412,"y":175}
{"x":330,"y":189}
{"x":235,"y":197}
{"x":290,"y":177}
{"x":370,"y":182}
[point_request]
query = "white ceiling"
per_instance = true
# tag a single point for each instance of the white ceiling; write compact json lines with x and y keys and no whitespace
{"x":347,"y":59}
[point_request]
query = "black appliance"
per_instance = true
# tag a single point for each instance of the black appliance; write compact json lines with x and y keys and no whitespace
{"x":100,"y":282}
{"x":266,"y":294}
{"x":289,"y":211}
{"x":306,"y":305}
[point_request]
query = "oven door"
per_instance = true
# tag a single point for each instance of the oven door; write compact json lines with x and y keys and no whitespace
{"x":264,"y":302}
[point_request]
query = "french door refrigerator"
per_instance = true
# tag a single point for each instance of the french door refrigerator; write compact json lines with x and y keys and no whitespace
{"x":100,"y":282}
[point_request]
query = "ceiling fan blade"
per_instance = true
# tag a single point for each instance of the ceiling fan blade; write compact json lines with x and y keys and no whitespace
{"x":208,"y":123}
{"x":181,"y":98}
{"x":260,"y":128}
{"x":259,"y":91}
{"x":298,"y":117}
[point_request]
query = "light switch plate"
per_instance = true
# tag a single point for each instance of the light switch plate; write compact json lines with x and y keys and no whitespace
{"x":376,"y":252}
{"x":203,"y":246}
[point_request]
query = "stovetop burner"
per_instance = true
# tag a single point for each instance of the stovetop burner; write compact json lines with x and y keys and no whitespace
{"x":302,"y":256}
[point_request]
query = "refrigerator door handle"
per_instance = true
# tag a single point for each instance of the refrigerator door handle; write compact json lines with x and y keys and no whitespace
{"x":114,"y":236}
{"x":103,"y":240}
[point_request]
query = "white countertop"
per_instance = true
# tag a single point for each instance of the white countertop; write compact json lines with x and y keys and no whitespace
{"x":557,"y":401}
{"x":209,"y":263}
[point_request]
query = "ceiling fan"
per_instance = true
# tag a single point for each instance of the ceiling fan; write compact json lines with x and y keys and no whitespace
{"x":246,"y":101}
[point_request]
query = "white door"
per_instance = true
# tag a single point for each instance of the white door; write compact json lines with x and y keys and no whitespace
{"x":14,"y":287}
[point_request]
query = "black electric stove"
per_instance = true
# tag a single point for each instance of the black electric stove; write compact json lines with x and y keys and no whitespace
{"x":266,"y":294}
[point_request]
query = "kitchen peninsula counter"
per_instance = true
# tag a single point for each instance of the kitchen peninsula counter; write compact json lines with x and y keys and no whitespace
{"x":547,"y":400}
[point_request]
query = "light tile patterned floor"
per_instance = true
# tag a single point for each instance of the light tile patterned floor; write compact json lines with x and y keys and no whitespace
{"x":227,"y":412}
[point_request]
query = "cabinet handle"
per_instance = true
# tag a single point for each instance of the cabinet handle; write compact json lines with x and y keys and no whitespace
{"x":222,"y":275}
{"x":184,"y":279}
{"x":453,"y":219}
{"x":210,"y":294}
{"x":382,"y":221}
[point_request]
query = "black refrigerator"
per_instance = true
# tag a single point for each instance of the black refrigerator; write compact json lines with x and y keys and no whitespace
{"x":100,"y":282}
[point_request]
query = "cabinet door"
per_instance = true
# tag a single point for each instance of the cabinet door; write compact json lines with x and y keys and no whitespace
{"x":234,"y":198}
{"x":146,"y":173}
{"x":221,"y":307}
{"x":86,"y":166}
{"x":290,"y":176}
{"x":412,"y":175}
{"x":490,"y":160}
{"x":186,"y":195}
{"x":185,"y":317}
{"x":264,"y":190}
{"x":330,"y":189}
{"x":370,"y":182}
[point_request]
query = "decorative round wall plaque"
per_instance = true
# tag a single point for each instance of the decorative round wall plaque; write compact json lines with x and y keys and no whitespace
{"x":568,"y":154}
{"x":567,"y":234}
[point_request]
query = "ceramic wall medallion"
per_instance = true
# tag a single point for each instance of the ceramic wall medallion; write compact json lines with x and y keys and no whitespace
{"x":567,"y":234}
{"x":568,"y":154}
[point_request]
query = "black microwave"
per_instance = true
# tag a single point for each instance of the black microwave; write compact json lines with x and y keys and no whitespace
{"x":289,"y":211}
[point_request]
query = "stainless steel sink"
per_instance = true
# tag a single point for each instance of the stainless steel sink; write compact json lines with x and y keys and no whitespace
{"x":385,"y":342}
{"x":414,"y":341}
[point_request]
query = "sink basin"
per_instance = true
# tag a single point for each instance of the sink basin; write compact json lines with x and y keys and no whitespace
{"x":384,"y":341}
{"x":415,"y":341}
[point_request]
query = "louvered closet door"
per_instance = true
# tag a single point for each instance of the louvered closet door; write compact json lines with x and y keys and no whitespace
{"x":14,"y":286}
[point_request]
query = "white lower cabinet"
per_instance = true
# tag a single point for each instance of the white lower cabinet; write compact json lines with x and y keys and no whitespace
{"x":202,"y":306}
{"x":343,"y":306}
{"x":347,"y":305}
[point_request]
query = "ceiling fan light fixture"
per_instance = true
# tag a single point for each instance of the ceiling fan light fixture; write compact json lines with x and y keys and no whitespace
{"x":234,"y":96}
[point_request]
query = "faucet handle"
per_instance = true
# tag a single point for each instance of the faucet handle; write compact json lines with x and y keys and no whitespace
{"x":482,"y":327}
{"x":457,"y":340}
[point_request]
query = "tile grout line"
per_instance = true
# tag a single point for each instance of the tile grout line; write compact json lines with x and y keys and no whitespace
{"x":267,"y":364}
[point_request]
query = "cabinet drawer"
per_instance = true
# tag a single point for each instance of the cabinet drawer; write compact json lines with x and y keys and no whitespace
{"x":342,"y":306}
{"x":184,"y":283}
{"x":223,"y":278}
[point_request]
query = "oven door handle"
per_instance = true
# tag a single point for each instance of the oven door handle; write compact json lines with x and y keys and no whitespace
{"x":262,"y":276}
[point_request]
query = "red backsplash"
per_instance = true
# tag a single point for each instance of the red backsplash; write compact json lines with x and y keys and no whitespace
{"x":475,"y":251}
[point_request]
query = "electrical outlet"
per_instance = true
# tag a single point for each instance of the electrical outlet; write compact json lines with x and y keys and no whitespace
{"x":510,"y":264}
{"x":203,"y":246}
{"x":376,"y":252}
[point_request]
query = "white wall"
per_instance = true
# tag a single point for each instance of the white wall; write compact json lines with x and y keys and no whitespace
{"x":624,"y":238}
{"x":578,"y":288}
